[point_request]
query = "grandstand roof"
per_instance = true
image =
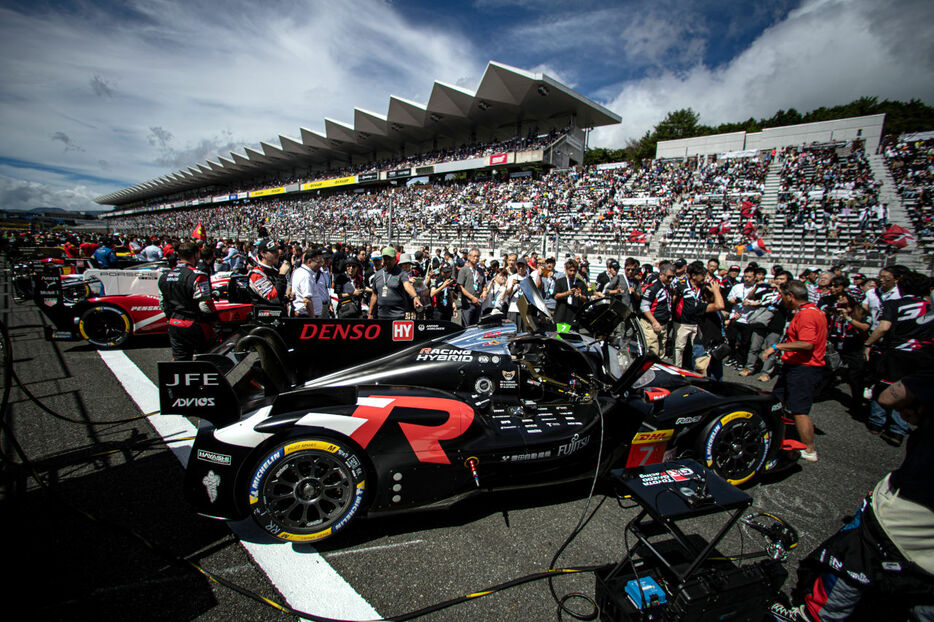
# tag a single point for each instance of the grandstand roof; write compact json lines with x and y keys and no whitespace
{"x":505,"y":96}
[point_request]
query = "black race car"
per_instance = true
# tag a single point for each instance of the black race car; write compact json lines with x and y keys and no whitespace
{"x":437,"y":413}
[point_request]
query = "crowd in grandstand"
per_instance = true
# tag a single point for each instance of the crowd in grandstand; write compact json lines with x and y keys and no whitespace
{"x":912,"y":166}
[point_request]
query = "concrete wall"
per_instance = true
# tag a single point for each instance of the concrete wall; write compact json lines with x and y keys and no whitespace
{"x":869,"y":128}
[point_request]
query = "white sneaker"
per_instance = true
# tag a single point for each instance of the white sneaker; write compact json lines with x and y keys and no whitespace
{"x":809,"y":456}
{"x":788,"y":614}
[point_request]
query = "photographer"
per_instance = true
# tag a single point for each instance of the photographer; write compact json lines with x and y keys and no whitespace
{"x":570,"y":294}
{"x":348,"y":285}
{"x":766,"y":323}
{"x":443,"y":293}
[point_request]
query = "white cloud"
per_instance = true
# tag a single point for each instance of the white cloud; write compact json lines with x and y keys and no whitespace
{"x":825,"y":53}
{"x":211,"y":77}
{"x":22,"y":194}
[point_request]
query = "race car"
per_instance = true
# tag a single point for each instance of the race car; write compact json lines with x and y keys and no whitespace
{"x":312,"y":424}
{"x":106,"y":307}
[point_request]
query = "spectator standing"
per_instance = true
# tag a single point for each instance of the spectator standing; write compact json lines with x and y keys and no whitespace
{"x":766,"y":323}
{"x":105,"y":256}
{"x":443,"y":292}
{"x":472,"y":282}
{"x":802,"y":351}
{"x":152,"y":252}
{"x":570,"y":294}
{"x":307,"y":296}
{"x":513,"y":291}
{"x":348,"y":286}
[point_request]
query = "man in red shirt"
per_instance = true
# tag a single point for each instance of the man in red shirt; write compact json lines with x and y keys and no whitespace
{"x":802,"y":350}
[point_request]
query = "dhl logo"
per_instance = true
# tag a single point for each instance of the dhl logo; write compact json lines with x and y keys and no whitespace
{"x":658,"y":436}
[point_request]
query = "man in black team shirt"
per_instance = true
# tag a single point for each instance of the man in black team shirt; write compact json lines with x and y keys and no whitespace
{"x":689,"y":310}
{"x":906,"y":331}
{"x":655,"y":309}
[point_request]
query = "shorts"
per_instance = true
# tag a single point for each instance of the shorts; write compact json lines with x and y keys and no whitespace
{"x":796,"y":387}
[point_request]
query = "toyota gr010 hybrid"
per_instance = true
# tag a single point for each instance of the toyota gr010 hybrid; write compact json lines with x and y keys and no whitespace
{"x":309,"y":425}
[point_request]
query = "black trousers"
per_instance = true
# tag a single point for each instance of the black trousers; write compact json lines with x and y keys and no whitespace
{"x":189,"y":338}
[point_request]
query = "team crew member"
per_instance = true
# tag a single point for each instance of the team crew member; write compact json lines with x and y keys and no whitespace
{"x":307,"y":302}
{"x":266,"y":282}
{"x":690,"y":308}
{"x":886,"y":548}
{"x":391,"y":287}
{"x":187,"y":303}
{"x":443,"y":293}
{"x":906,"y":328}
{"x":802,"y":351}
{"x":570,"y":294}
{"x":656,"y":309}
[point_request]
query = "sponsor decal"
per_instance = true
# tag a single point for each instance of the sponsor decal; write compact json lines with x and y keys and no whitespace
{"x":483,"y":385}
{"x":211,"y":483}
{"x":495,"y":359}
{"x":483,"y":358}
{"x":541,"y":455}
{"x":648,"y":447}
{"x":195,"y":380}
{"x":329,"y":183}
{"x":655,"y":436}
{"x":680,"y":475}
{"x":576,"y":443}
{"x":431,"y":327}
{"x":186,"y":402}
{"x":216,"y":458}
{"x":771,"y":464}
{"x":268,"y":312}
{"x":267,"y":192}
{"x":509,"y":375}
{"x":258,"y":475}
{"x":61,"y":334}
{"x":492,"y":335}
{"x":776,"y":406}
{"x":688,"y":420}
{"x":403,"y":330}
{"x":149,"y":308}
{"x":345,"y":331}
{"x":303,"y":445}
{"x":444,"y":354}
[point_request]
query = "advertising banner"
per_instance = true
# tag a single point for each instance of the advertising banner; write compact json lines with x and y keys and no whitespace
{"x":402,"y":172}
{"x":267,"y":192}
{"x":499,"y":158}
{"x":367,"y":177}
{"x":424,"y":170}
{"x":329,"y":183}
{"x":242,"y":195}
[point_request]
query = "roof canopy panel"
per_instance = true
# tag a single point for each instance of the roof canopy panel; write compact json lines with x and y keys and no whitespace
{"x":506,"y":97}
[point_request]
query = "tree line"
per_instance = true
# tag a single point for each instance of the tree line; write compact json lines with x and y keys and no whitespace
{"x":900,"y":117}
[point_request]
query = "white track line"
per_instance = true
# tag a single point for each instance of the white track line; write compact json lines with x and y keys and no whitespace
{"x":305,"y":578}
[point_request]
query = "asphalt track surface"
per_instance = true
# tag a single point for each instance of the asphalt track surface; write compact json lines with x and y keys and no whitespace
{"x":64,"y":565}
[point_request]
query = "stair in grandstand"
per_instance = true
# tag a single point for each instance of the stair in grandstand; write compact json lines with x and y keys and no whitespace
{"x":773,"y":182}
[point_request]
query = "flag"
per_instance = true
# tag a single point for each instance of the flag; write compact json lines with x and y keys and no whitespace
{"x":899,"y":237}
{"x":199,"y":234}
{"x":748,"y":209}
{"x":757,"y":247}
{"x":724,"y":228}
{"x":637,"y":236}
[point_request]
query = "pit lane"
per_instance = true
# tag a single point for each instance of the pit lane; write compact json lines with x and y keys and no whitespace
{"x":69,"y":567}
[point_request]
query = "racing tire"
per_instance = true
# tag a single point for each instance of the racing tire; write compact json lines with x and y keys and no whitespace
{"x":734,"y":445}
{"x":307,"y":489}
{"x":105,"y":326}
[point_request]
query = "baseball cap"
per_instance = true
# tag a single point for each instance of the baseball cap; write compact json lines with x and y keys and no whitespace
{"x":732,"y":268}
{"x":376,"y":255}
{"x":265,"y":244}
{"x":522,"y":261}
{"x":388,"y":252}
{"x":858,"y":275}
{"x":445,"y":267}
{"x":403,"y":258}
{"x":612,"y":264}
{"x":812,"y":269}
{"x":681,"y":262}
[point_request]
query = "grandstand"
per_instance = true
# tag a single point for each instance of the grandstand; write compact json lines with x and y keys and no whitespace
{"x":505,"y":174}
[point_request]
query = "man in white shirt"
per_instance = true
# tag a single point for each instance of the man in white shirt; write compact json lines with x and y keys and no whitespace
{"x":307,"y":302}
{"x":887,"y":290}
{"x":739,"y":332}
{"x":151,"y":252}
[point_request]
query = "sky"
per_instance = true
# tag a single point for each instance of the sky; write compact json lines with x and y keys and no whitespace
{"x":98,"y":96}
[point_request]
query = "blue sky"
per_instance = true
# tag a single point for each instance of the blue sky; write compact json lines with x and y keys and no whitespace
{"x":98,"y":96}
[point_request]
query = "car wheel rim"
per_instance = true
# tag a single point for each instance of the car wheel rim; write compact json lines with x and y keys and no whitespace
{"x":106,"y":327}
{"x":738,"y":450}
{"x":309,"y":491}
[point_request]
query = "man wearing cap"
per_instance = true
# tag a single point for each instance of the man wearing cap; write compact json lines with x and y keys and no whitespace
{"x":810,"y":276}
{"x":266,"y":283}
{"x":513,"y":291}
{"x":444,"y":292}
{"x":545,"y":279}
{"x":392,"y":289}
{"x":615,"y":286}
{"x":348,"y":285}
{"x":473,"y":286}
